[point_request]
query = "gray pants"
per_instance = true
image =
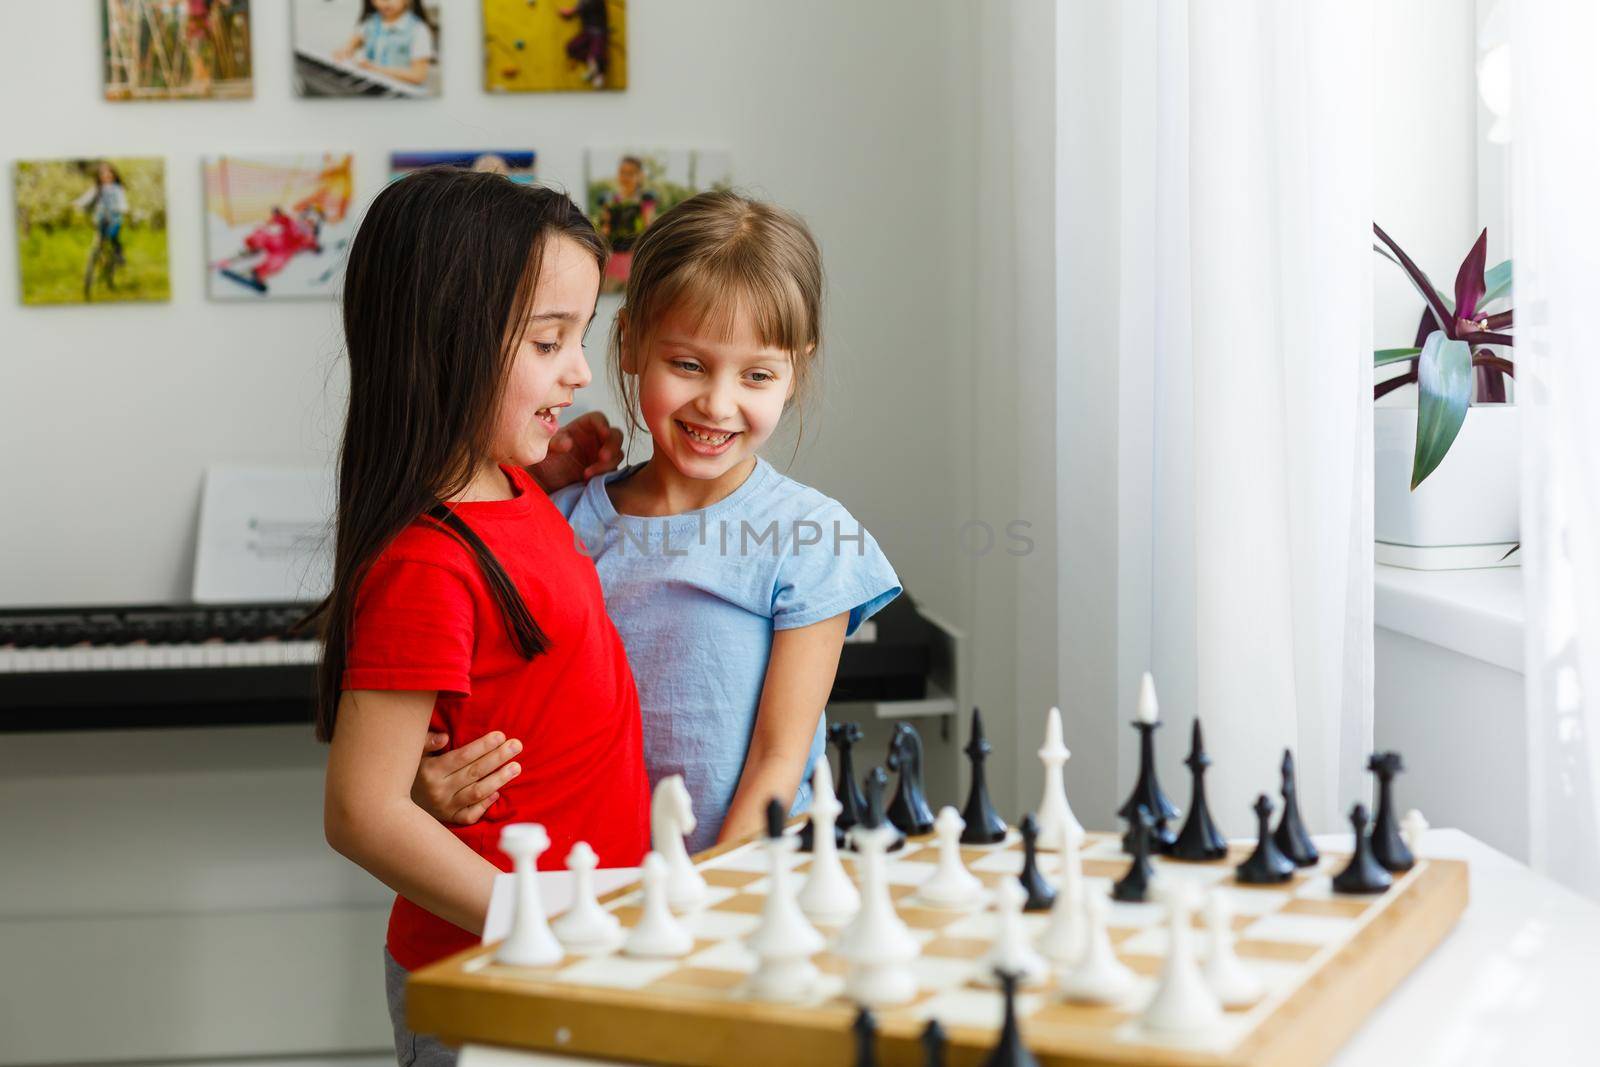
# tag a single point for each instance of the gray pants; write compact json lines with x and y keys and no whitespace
{"x":410,"y":1049}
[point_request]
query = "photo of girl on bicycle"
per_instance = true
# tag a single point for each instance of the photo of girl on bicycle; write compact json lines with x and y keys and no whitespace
{"x":92,"y":231}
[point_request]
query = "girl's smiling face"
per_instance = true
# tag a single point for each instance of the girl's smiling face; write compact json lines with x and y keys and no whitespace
{"x":548,"y":365}
{"x":710,"y":403}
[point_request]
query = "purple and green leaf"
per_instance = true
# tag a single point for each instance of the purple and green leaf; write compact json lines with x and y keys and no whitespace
{"x":1444,"y":385}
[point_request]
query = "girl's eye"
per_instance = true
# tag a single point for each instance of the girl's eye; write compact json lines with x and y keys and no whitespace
{"x":548,"y":348}
{"x":761,"y":377}
{"x":686,"y":364}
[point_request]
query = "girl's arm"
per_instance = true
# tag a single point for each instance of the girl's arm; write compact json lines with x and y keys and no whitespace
{"x":369,"y":816}
{"x":799,"y":677}
{"x":415,"y":74}
{"x":351,"y":47}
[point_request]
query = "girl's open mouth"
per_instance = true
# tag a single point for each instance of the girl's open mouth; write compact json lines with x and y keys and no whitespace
{"x":705,"y":441}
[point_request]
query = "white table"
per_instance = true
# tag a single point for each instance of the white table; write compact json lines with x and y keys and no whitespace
{"x":1517,"y":981}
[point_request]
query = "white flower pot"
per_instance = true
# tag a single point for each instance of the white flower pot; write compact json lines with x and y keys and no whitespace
{"x":1464,"y":514}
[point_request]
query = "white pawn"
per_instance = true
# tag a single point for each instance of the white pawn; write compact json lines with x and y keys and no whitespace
{"x":829,"y":896}
{"x":586,"y":926}
{"x":658,"y":933}
{"x":951,"y":885}
{"x":1234,"y":985}
{"x":1099,"y":977}
{"x":671,"y":819}
{"x":785,"y":941}
{"x":1055,"y":813}
{"x":1064,"y":937}
{"x":1412,"y":827}
{"x":877,"y":943}
{"x":1011,"y":952}
{"x":1183,"y":1002}
{"x":531,"y":943}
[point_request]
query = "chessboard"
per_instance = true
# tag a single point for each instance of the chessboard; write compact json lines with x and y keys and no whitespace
{"x":1326,"y":961}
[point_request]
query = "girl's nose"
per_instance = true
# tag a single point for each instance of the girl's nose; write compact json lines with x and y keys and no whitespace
{"x":578,"y":374}
{"x":718,"y":402}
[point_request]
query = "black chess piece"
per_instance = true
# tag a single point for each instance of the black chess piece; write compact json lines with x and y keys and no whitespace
{"x":776,"y":817}
{"x":1041,"y":894}
{"x":1363,"y":874}
{"x":1388,"y":847}
{"x":844,"y":736}
{"x":933,"y":1044}
{"x":909,"y":809}
{"x":1148,"y":792}
{"x":1010,"y":1051}
{"x":1290,"y":836}
{"x":1200,"y":841}
{"x":984,"y":825}
{"x":808,"y":837}
{"x":1266,"y":864}
{"x":1134,"y":885}
{"x":877,"y":781}
{"x":866,"y":1031}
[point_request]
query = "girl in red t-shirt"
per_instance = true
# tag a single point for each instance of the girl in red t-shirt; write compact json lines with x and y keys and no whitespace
{"x":460,"y":602}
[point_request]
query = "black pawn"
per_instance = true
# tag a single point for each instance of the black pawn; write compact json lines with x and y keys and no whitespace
{"x":1200,"y":840}
{"x":1134,"y":886}
{"x":1147,"y":792}
{"x":844,"y":735}
{"x":866,"y":1031}
{"x":909,"y":809}
{"x":1388,"y":847}
{"x":1010,"y":1052}
{"x":1041,"y":894}
{"x":1290,"y":836}
{"x":878,"y":781}
{"x":776,"y":816}
{"x":1266,"y":864}
{"x":933,"y":1044}
{"x":1363,"y":874}
{"x":984,"y":825}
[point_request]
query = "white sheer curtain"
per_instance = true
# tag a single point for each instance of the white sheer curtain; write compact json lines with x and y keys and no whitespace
{"x":1555,"y":149}
{"x":1246,"y":324}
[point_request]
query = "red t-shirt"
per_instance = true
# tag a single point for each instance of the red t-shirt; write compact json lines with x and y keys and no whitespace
{"x":425,"y":620}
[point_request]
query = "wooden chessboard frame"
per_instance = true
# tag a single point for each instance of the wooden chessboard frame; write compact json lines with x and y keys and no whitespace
{"x":460,"y":1002}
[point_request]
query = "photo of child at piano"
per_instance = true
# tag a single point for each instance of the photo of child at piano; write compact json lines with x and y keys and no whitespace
{"x":734,"y":641}
{"x":374,"y":48}
{"x":459,"y":600}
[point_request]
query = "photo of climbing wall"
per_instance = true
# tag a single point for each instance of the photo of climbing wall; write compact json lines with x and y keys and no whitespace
{"x":626,"y":188}
{"x":554,"y":46}
{"x":92,"y":231}
{"x":277,"y":226}
{"x":366,"y":48}
{"x":176,"y":49}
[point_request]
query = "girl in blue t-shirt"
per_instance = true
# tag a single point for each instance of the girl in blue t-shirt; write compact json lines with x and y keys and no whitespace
{"x":394,"y":38}
{"x":732,"y":585}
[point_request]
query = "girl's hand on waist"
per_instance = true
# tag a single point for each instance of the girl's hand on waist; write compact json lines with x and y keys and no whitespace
{"x":587,"y":446}
{"x":458,"y":786}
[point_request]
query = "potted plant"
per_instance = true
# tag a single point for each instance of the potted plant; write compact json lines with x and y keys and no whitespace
{"x":1446,"y":491}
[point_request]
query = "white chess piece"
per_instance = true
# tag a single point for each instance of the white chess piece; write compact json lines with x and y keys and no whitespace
{"x":1099,"y":977}
{"x":785,"y":941}
{"x":586,"y":926}
{"x":1234,"y":985}
{"x":1011,"y":952}
{"x":1183,"y":1002}
{"x":951,"y":885}
{"x":1055,"y":813}
{"x":1412,"y":827}
{"x":877,"y":943}
{"x":829,"y":896}
{"x":658,"y":933}
{"x":1064,"y":937}
{"x":531,"y":943}
{"x":671,"y":818}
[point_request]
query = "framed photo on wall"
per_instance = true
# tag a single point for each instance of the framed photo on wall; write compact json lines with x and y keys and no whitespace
{"x":554,"y":45}
{"x":277,"y":226}
{"x":382,"y":48}
{"x":626,"y":188}
{"x":92,"y":231}
{"x":518,"y":164}
{"x":176,"y":49}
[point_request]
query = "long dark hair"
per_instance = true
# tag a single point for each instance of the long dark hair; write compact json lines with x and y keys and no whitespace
{"x":442,"y":267}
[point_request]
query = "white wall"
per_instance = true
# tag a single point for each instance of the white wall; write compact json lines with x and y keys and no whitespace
{"x":166,"y":861}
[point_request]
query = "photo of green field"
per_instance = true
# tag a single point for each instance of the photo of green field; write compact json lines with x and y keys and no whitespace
{"x":92,"y":231}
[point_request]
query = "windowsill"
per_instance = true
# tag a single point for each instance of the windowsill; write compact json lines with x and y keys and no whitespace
{"x":1477,"y":613}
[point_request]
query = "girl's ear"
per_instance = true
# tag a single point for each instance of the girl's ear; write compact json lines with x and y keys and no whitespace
{"x":625,"y":353}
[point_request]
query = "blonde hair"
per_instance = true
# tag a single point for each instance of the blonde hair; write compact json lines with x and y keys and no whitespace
{"x":710,"y":258}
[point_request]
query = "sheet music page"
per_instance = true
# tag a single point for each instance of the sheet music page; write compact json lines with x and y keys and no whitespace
{"x":265,"y":534}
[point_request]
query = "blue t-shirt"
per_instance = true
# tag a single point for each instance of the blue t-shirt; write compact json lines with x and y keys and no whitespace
{"x":697,"y":596}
